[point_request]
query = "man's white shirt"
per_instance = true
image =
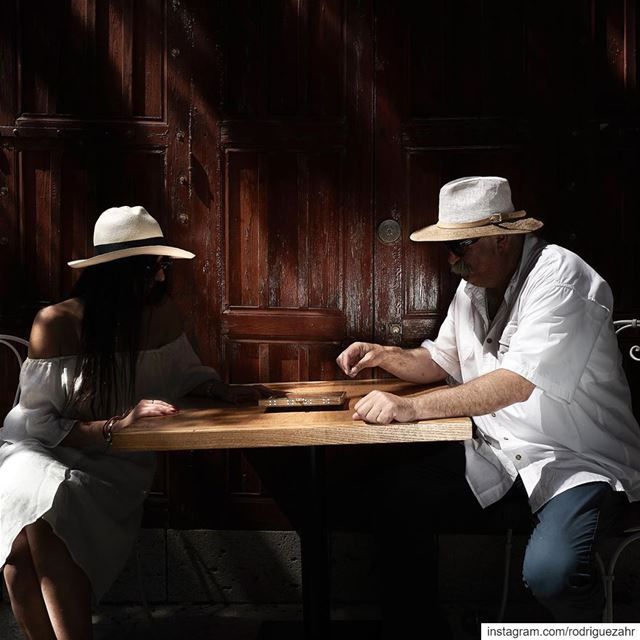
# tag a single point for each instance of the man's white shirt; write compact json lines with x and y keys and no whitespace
{"x":555,"y":329}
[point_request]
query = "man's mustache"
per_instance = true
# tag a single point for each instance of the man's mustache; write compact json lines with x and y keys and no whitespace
{"x":461,"y":268}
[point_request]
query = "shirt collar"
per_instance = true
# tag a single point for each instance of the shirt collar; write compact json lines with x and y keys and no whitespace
{"x":531,"y":249}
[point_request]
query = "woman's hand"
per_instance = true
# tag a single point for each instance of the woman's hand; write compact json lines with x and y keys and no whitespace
{"x":145,"y":409}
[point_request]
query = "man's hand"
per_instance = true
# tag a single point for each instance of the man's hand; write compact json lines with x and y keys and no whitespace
{"x":382,"y":408}
{"x":359,"y":356}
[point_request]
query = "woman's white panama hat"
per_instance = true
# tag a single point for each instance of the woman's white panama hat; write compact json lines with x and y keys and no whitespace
{"x":122,"y":232}
{"x":473,"y":207}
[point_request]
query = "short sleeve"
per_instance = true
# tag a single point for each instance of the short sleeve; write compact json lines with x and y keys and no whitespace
{"x":188,"y":370}
{"x":43,"y":393}
{"x":444,"y":350}
{"x":556,"y":333}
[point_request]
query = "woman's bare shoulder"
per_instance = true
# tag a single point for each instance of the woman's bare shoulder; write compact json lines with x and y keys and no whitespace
{"x":56,"y":330}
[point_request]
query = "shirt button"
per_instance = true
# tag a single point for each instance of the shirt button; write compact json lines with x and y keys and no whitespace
{"x":518,"y":457}
{"x":489,"y":340}
{"x":493,"y":415}
{"x":505,"y":438}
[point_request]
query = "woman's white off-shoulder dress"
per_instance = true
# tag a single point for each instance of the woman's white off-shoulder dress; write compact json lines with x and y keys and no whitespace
{"x":91,"y":497}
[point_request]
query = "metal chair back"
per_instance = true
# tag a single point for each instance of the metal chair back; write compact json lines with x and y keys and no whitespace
{"x":630,"y":521}
{"x":17,"y":346}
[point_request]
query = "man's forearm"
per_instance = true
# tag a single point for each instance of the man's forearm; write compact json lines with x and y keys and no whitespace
{"x":412,"y":365}
{"x":478,"y":397}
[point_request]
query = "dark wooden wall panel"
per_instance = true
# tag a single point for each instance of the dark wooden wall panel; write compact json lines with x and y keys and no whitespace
{"x":286,"y":361}
{"x":324,"y":238}
{"x":148,"y":59}
{"x":246,"y":230}
{"x":8,"y":64}
{"x":284,"y":229}
{"x":325,"y":50}
{"x":282,"y":222}
{"x":464,"y":58}
{"x":426,"y":262}
{"x":245,"y":69}
{"x":284,"y":59}
{"x":97,"y":58}
{"x":283,"y":22}
{"x":245,"y":361}
{"x":10,"y":241}
{"x":40,"y":34}
{"x":251,"y":361}
{"x":78,"y":218}
{"x":39,"y":175}
{"x":615,"y":194}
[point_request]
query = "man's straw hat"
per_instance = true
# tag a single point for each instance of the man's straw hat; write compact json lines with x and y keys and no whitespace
{"x":473,"y":207}
{"x":122,"y":232}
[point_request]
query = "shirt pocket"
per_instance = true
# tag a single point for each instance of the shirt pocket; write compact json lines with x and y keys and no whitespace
{"x":504,"y":341}
{"x":466,"y":343}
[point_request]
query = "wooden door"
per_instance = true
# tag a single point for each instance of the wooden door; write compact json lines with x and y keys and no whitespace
{"x":290,"y":172}
{"x":545,"y":94}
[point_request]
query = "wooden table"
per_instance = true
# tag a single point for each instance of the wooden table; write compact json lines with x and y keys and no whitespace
{"x":203,"y":424}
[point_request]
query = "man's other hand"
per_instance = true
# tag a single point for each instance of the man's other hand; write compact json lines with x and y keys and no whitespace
{"x":359,"y":356}
{"x":380,"y":407}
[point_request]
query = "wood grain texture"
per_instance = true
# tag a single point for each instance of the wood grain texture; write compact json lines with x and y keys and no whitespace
{"x":202,"y":425}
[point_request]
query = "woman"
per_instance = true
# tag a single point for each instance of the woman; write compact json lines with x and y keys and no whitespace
{"x":114,"y":352}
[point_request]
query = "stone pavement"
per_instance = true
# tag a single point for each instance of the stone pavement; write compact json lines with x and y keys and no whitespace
{"x":243,"y":621}
{"x":225,"y":622}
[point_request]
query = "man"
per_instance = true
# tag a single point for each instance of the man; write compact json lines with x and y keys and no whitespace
{"x":529,"y":347}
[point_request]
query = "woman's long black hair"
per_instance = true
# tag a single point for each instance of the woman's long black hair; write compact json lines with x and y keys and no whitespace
{"x":114,"y":295}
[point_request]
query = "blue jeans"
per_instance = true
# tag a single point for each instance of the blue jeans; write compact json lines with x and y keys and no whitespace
{"x":429,"y":494}
{"x":559,"y":563}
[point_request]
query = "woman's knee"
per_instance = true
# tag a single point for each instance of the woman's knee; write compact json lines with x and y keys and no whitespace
{"x":20,"y":552}
{"x":19,"y":565}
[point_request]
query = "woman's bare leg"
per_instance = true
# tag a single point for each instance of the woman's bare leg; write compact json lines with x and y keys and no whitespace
{"x":65,"y":587}
{"x":26,"y":598}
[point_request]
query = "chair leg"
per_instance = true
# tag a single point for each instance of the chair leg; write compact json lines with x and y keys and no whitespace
{"x":508,"y":545}
{"x":607,"y":583}
{"x":143,"y":596}
{"x":608,"y":575}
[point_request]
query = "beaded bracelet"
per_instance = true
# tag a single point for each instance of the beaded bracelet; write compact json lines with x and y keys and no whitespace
{"x":107,"y":427}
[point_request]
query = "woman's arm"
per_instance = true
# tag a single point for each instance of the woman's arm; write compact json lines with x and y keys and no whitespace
{"x":85,"y":434}
{"x":55,"y":332}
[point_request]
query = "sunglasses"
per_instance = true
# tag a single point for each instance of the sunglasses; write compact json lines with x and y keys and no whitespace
{"x":458,"y":247}
{"x":163,"y":263}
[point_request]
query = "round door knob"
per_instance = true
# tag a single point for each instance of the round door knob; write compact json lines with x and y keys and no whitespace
{"x":395,"y":328}
{"x":389,"y":231}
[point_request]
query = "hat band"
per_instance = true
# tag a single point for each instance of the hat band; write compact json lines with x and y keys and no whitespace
{"x":100,"y":249}
{"x":496,"y":218}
